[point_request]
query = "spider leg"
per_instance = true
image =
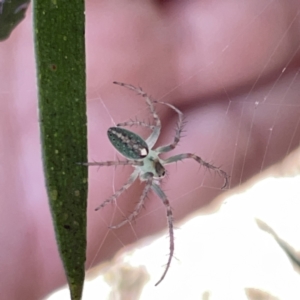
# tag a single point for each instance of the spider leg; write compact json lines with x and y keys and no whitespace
{"x":138,"y":123}
{"x":178,"y":131}
{"x":152,"y":139}
{"x":138,"y":207}
{"x":198,"y":159}
{"x":158,"y":191}
{"x":114,"y":163}
{"x":130,"y":181}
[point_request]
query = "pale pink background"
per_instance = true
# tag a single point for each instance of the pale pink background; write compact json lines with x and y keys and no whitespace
{"x":202,"y":56}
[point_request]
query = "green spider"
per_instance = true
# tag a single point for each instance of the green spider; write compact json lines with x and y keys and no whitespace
{"x":148,"y":166}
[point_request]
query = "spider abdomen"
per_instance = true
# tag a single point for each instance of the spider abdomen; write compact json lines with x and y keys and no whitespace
{"x":128,"y":143}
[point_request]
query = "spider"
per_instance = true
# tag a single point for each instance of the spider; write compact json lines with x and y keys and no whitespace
{"x":148,"y":165}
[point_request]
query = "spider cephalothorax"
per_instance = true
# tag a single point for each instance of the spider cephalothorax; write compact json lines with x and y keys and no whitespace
{"x":148,"y":166}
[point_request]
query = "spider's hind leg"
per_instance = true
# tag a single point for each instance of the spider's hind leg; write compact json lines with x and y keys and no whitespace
{"x":113,"y":163}
{"x":178,"y":130}
{"x":137,"y":123}
{"x":152,"y":139}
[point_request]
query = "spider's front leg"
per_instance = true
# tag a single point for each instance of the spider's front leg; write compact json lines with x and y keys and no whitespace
{"x":159,"y":192}
{"x":199,"y":160}
{"x":125,"y":187}
{"x":139,"y":205}
{"x":150,"y":183}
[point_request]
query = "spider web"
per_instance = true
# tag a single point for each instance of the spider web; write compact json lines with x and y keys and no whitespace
{"x":253,"y":106}
{"x":186,"y":182}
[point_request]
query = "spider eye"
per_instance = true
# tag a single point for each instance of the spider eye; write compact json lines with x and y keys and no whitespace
{"x":159,"y":168}
{"x":128,"y":143}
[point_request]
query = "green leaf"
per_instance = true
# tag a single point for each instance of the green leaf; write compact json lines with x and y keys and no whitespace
{"x":60,"y":56}
{"x":12,"y":12}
